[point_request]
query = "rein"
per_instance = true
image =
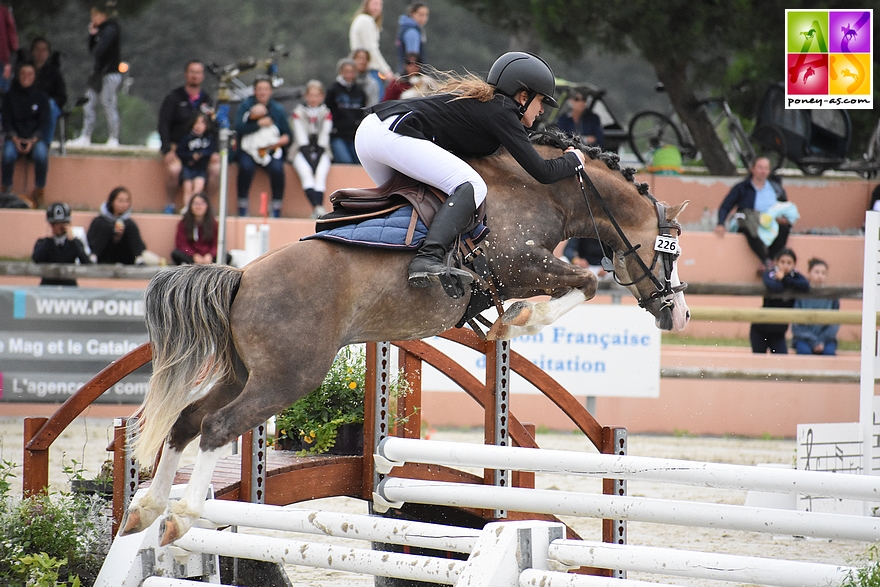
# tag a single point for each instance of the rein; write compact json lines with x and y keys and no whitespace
{"x":665,"y":228}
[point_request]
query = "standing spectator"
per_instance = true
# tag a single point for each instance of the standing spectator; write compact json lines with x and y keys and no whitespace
{"x":364,"y":34}
{"x":579,"y":121}
{"x":783,"y":277}
{"x":361,"y":59}
{"x":815,"y":339}
{"x":8,"y":45}
{"x":196,"y":240}
{"x":104,"y":45}
{"x":195,"y":151}
{"x":50,"y":80}
{"x":756,"y":195}
{"x":312,"y":123}
{"x":25,"y":118}
{"x":411,"y":34}
{"x":113,"y":236}
{"x":175,"y":120}
{"x":345,"y":98}
{"x":263,"y":133}
{"x":61,"y":247}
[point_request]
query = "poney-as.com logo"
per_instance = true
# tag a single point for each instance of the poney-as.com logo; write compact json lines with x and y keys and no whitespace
{"x":828,"y":59}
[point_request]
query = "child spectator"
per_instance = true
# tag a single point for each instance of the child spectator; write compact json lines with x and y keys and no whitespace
{"x":815,"y":339}
{"x":196,"y":240}
{"x":783,"y":277}
{"x":312,"y":123}
{"x":113,"y":235}
{"x":346,"y":100}
{"x":61,"y":247}
{"x":194,"y":152}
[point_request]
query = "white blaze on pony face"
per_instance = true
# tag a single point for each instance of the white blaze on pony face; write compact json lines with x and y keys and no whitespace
{"x":681,"y":314}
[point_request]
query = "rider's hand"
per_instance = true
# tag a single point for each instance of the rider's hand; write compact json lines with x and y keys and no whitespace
{"x":577,"y":152}
{"x":720,"y":230}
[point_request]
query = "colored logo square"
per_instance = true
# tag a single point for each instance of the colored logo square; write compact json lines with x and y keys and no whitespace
{"x":807,"y":73}
{"x":849,"y":32}
{"x":849,"y":73}
{"x":807,"y":32}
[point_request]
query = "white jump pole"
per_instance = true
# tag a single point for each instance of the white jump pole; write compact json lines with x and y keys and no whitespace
{"x":870,"y":292}
{"x":375,"y":529}
{"x":394,"y":451}
{"x":703,"y":565}
{"x":536,"y":578}
{"x":169,"y":582}
{"x":638,"y":509}
{"x":322,"y":556}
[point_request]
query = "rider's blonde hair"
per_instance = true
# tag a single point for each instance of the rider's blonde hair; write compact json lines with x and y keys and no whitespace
{"x":464,"y":86}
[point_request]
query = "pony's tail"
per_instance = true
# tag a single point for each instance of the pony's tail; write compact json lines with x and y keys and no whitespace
{"x":187,"y":315}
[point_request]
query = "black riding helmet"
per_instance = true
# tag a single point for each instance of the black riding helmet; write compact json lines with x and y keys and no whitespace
{"x":516,"y":70}
{"x":58,"y":212}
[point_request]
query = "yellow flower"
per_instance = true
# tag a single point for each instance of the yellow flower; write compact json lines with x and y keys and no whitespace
{"x":352,"y":385}
{"x":312,"y":434}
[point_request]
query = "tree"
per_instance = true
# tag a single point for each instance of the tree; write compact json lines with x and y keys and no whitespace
{"x":31,"y":15}
{"x":690,"y":44}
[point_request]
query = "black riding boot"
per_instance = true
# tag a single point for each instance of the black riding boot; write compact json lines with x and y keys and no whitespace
{"x":454,"y":217}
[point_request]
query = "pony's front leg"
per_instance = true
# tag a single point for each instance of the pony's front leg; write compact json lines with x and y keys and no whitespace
{"x":525,"y":317}
{"x":186,"y":511}
{"x":142,"y":513}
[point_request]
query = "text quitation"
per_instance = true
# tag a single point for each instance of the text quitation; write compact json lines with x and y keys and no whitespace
{"x":829,"y":101}
{"x":23,"y":385}
{"x":92,"y":347}
{"x":604,"y":340}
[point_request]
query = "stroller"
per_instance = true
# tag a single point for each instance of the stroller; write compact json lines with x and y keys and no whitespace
{"x":814,"y":140}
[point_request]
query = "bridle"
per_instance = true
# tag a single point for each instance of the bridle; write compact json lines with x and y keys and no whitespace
{"x":663,"y":288}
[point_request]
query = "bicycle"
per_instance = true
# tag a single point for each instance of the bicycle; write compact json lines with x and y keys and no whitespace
{"x":650,"y":130}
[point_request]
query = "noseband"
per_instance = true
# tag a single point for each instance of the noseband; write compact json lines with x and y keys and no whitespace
{"x":663,"y":290}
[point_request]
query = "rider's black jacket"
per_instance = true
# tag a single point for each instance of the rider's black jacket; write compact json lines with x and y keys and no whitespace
{"x":469,"y":128}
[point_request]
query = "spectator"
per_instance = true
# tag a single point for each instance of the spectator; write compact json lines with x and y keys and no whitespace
{"x":588,"y":253}
{"x":25,"y":118}
{"x":411,"y":35}
{"x":815,"y":339}
{"x":196,"y":240}
{"x":263,"y":134}
{"x":195,"y":151}
{"x":754,"y":197}
{"x":8,"y":45}
{"x":346,"y":99}
{"x":580,"y":121}
{"x":175,"y":120}
{"x":364,"y":34}
{"x":61,"y":247}
{"x":113,"y":236}
{"x":783,"y":277}
{"x":361,"y":59}
{"x":411,"y":85}
{"x":104,"y":45}
{"x":50,"y":80}
{"x":875,"y":199}
{"x":312,"y":123}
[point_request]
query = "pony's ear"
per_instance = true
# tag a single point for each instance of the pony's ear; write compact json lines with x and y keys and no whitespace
{"x":672,"y":212}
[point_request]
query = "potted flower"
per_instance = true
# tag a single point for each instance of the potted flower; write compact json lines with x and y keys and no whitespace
{"x":331,"y":417}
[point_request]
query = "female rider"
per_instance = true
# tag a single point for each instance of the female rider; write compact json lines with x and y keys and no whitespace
{"x":428,"y":138}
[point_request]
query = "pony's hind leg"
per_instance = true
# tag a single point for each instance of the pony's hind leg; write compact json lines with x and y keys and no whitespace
{"x":143,"y":513}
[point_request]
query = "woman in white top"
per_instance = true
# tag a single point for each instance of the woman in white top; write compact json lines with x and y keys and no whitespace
{"x":364,"y":34}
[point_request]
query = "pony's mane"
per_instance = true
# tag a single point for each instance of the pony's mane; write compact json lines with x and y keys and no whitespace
{"x":553,"y":137}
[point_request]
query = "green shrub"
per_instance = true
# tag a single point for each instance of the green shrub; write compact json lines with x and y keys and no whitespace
{"x":867,"y":574}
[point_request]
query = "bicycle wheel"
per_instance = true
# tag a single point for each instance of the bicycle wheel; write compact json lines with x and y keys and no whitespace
{"x":648,"y":131}
{"x":768,"y":141}
{"x":741,"y":145}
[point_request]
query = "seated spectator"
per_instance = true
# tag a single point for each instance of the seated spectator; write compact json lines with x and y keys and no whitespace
{"x":346,"y":100}
{"x":50,"y":80}
{"x":815,"y":339}
{"x":580,"y":121}
{"x":196,"y":240}
{"x":263,"y":137}
{"x":312,"y":123}
{"x":763,"y":213}
{"x":25,"y":117}
{"x":113,"y":236}
{"x":412,"y":84}
{"x":61,"y":247}
{"x":365,"y":79}
{"x":588,"y":253}
{"x":195,"y":151}
{"x":175,"y":120}
{"x":782,"y":277}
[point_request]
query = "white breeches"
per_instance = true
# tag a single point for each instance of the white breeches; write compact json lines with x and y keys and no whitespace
{"x":382,"y":150}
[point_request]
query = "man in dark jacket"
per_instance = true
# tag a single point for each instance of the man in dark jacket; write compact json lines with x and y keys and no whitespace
{"x":50,"y":80}
{"x":104,"y":45}
{"x":176,"y":115}
{"x":346,"y":100}
{"x":61,"y":247}
{"x":25,"y":117}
